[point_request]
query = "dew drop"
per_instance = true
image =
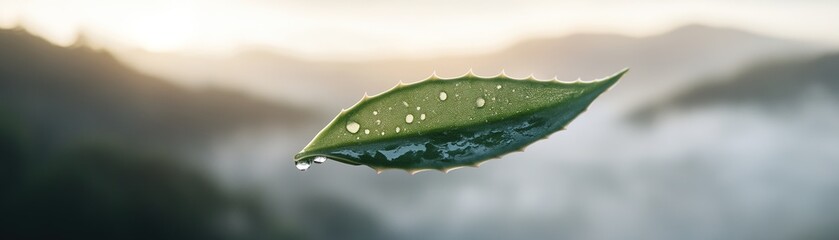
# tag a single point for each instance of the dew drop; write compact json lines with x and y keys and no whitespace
{"x":405,"y":103}
{"x":302,"y":165}
{"x":353,"y":127}
{"x":419,"y":108}
{"x":366,"y":131}
{"x":498,"y":87}
{"x":383,"y":133}
{"x":409,"y":118}
{"x":398,"y":129}
{"x":320,"y":159}
{"x":422,"y":116}
{"x":443,"y":96}
{"x":480,"y":102}
{"x":378,"y":122}
{"x":375,"y":112}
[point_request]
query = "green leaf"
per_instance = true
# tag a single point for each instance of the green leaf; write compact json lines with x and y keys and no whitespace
{"x":445,"y":124}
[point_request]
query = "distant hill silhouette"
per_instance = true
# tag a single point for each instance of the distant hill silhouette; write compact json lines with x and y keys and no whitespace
{"x":775,"y":86}
{"x":660,"y":64}
{"x":77,"y":93}
{"x":90,"y":149}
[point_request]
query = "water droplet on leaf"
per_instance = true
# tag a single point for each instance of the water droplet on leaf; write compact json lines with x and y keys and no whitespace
{"x":366,"y":131}
{"x":480,"y":102}
{"x":443,"y":96}
{"x":422,"y":116}
{"x":398,"y":129}
{"x":409,"y":118}
{"x":353,"y":127}
{"x":302,"y":165}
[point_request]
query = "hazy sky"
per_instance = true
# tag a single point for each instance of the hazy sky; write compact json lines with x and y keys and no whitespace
{"x":343,"y":29}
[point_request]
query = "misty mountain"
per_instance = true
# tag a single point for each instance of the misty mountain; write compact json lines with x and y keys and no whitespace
{"x":660,"y":64}
{"x":77,"y":93}
{"x":90,"y":149}
{"x":776,"y":86}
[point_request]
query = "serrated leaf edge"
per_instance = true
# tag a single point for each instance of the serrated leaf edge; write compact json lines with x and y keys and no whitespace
{"x":470,"y":73}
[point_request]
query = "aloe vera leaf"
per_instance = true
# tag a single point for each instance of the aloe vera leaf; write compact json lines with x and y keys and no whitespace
{"x":445,"y":124}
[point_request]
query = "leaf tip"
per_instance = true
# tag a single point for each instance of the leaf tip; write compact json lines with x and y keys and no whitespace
{"x":614,"y":78}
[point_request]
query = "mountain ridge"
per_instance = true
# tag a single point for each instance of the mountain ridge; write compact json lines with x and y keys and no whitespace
{"x":667,"y":61}
{"x":779,"y":85}
{"x":68,"y":93}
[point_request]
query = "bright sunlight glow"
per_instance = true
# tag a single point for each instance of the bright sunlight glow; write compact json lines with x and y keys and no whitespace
{"x":330,"y":29}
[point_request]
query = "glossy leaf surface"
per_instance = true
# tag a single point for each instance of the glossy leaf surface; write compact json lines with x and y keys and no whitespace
{"x":444,"y":124}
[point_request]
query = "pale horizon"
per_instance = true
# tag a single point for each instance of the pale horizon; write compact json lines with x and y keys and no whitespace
{"x":334,"y":30}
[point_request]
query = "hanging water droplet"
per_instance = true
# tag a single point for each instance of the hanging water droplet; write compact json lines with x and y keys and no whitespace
{"x":398,"y":129}
{"x":422,"y":116}
{"x":366,"y":131}
{"x":353,"y":127}
{"x":443,"y":96}
{"x":409,"y":118}
{"x":375,"y":112}
{"x":498,"y":87}
{"x":480,"y":102}
{"x":320,"y":159}
{"x":302,"y":165}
